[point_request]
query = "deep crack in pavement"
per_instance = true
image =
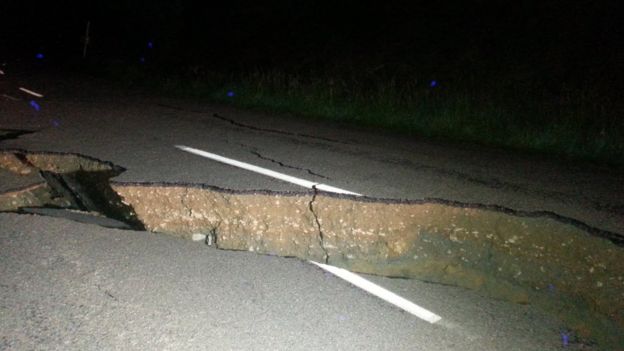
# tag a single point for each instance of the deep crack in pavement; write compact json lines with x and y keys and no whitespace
{"x":318,"y":224}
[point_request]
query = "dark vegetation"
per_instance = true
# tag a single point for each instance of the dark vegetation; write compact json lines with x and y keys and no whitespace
{"x":543,"y":76}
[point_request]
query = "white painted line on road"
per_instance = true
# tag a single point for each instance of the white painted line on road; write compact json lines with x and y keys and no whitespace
{"x":382,"y":293}
{"x":30,"y":92}
{"x":10,"y":97}
{"x":267,"y":172}
{"x":198,"y":237}
{"x":332,"y":189}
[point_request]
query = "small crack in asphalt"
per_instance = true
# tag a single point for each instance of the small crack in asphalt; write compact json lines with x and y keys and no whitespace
{"x":110,"y":295}
{"x":318,"y":225}
{"x":107,"y":293}
{"x":183,"y":202}
{"x":250,"y":127}
{"x":497,"y":184}
{"x":238,"y":124}
{"x":288,"y":166}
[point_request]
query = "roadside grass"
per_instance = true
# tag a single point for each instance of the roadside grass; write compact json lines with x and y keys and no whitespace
{"x":574,"y":123}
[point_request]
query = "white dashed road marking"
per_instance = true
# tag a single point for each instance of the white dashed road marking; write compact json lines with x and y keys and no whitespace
{"x":381,"y":293}
{"x":27,"y":91}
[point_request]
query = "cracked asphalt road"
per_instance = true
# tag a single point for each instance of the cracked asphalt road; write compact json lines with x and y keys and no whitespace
{"x":138,"y":133}
{"x":175,"y":304}
{"x":72,"y":286}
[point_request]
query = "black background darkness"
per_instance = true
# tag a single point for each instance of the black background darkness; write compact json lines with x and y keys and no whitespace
{"x":554,"y":38}
{"x":544,"y":75}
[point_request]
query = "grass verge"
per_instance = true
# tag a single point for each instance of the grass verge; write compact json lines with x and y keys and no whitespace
{"x":575,"y":123}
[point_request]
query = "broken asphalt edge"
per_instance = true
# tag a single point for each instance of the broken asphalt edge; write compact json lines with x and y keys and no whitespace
{"x":615,"y":238}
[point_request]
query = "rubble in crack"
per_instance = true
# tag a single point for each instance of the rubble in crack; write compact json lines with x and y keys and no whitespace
{"x":35,"y":195}
{"x":14,"y":162}
{"x":76,"y":183}
{"x":23,"y":186}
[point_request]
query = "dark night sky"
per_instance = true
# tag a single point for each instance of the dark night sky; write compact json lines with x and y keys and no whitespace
{"x":562,"y":35}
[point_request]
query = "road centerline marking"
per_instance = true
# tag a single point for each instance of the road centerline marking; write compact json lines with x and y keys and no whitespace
{"x":267,"y":172}
{"x":28,"y":91}
{"x":381,"y":293}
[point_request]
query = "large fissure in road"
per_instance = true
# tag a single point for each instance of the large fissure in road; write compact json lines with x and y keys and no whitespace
{"x":564,"y":265}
